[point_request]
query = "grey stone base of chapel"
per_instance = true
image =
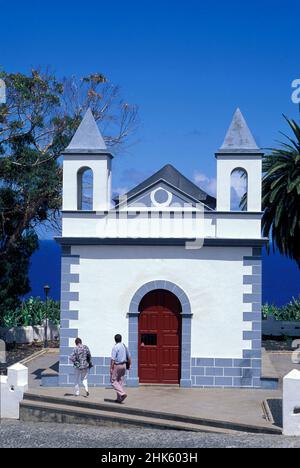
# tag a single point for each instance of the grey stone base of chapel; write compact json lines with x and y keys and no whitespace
{"x":132,"y":382}
{"x":205,"y":373}
{"x":99,"y":375}
{"x":237,"y":373}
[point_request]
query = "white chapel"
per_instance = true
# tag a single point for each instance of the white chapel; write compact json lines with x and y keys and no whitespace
{"x":174,"y":270}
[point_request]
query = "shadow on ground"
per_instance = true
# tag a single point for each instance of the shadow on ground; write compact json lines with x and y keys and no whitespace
{"x":275,"y":406}
{"x":38,"y":372}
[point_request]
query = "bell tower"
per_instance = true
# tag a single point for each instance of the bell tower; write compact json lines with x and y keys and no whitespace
{"x":87,"y":152}
{"x":239,"y":152}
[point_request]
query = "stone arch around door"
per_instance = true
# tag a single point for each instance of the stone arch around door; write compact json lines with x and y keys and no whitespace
{"x":186,"y":314}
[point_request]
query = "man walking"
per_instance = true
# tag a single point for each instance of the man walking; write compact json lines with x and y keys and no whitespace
{"x":120,"y":361}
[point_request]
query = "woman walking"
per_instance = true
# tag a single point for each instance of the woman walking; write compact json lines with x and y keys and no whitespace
{"x":81,"y":358}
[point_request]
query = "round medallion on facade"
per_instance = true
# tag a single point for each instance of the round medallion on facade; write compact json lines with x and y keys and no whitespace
{"x":161,"y":197}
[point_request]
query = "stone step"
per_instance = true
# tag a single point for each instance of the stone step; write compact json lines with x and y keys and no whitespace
{"x":123,"y":412}
{"x":35,"y":411}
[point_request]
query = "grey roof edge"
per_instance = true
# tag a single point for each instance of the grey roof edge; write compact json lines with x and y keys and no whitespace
{"x":237,"y":152}
{"x":119,"y":203}
{"x":163,"y":173}
{"x":215,"y":213}
{"x":208,"y":242}
{"x":238,"y":213}
{"x":71,"y":152}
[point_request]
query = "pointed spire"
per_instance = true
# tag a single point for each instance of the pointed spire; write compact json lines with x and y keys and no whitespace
{"x":238,"y":138}
{"x":87,"y":137}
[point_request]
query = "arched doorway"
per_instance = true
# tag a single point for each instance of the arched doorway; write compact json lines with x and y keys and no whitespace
{"x":159,"y":340}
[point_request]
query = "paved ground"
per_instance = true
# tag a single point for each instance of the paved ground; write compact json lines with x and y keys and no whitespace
{"x":206,"y":403}
{"x":38,"y":365}
{"x":18,"y":434}
{"x":282,"y":363}
{"x":241,"y":406}
{"x":19,"y":352}
{"x":203,"y":403}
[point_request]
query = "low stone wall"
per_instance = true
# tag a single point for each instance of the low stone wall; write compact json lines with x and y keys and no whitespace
{"x":272,"y":327}
{"x":27,"y":335}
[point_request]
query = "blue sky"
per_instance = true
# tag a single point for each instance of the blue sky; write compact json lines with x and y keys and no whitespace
{"x":187,"y":65}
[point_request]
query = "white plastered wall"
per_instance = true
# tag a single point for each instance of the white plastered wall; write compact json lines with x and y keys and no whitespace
{"x":232,"y":225}
{"x":253,"y":166}
{"x":211,"y":277}
{"x":101,"y":180}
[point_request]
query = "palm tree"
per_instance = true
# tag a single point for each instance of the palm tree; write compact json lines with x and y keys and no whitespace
{"x":281,"y":195}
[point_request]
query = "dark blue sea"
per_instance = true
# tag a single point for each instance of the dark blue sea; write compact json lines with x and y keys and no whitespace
{"x":281,"y":276}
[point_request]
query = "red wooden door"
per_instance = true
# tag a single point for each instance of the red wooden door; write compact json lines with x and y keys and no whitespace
{"x":160,"y":338}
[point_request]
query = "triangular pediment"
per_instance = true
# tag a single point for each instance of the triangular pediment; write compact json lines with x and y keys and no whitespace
{"x":161,"y":194}
{"x":167,"y":188}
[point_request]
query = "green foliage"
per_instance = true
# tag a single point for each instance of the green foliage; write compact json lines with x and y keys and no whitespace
{"x":269,"y":310}
{"x":289,"y":312}
{"x":30,"y":176}
{"x":281,"y":195}
{"x":9,"y":319}
{"x":32,"y":311}
{"x":37,"y":122}
{"x":14,"y":268}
